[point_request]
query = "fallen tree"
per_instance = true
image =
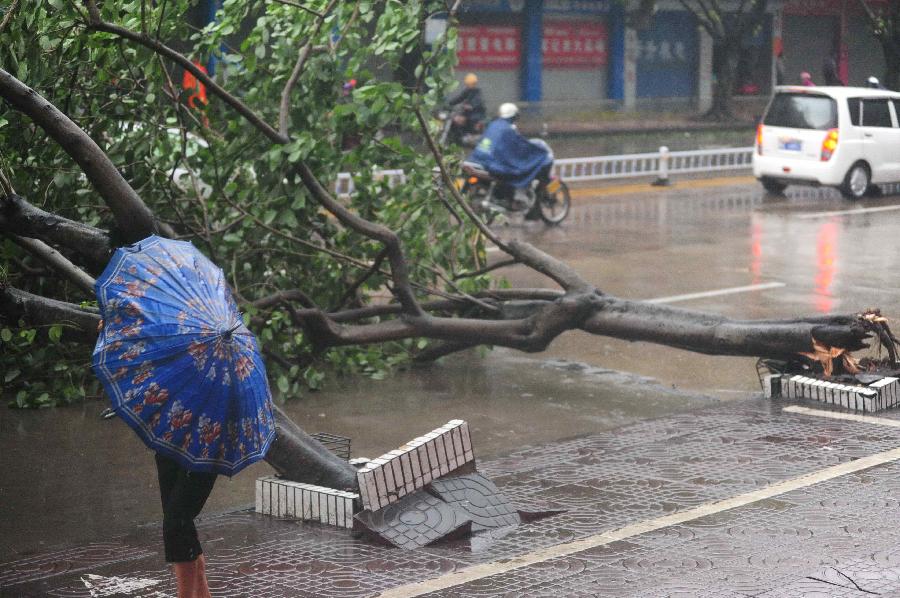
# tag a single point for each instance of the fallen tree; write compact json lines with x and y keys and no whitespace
{"x":441,"y":297}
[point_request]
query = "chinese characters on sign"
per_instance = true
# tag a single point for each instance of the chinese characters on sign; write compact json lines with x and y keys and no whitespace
{"x":660,"y":51}
{"x":496,"y":48}
{"x":574,"y":44}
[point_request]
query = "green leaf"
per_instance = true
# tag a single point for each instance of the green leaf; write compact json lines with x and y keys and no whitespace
{"x":55,"y":333}
{"x":283,"y":384}
{"x":11,"y":375}
{"x":6,"y":335}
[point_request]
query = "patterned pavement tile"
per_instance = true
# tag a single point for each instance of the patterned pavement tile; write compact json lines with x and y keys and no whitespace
{"x":69,"y":560}
{"x":790,"y":545}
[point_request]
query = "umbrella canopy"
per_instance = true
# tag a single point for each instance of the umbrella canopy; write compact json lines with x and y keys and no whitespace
{"x":177,"y":361}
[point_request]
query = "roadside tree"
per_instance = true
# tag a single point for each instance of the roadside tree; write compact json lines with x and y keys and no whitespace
{"x":729,"y":23}
{"x":106,"y":147}
{"x":885,"y":21}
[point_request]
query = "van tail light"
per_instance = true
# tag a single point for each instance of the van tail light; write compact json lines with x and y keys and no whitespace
{"x":830,"y":144}
{"x":759,"y":132}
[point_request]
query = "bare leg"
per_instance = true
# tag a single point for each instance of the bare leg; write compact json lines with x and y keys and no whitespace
{"x":191,"y":580}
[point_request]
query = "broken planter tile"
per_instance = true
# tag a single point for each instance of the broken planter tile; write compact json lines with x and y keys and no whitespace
{"x":479,"y":498}
{"x":414,"y":521}
{"x":401,"y":472}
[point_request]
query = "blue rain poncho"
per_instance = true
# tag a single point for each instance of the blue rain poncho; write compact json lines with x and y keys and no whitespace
{"x":507,"y":155}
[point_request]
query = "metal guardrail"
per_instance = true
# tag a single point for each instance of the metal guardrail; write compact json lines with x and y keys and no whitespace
{"x":660,"y":164}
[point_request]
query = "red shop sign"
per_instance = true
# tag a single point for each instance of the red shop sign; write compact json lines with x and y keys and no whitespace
{"x":574,"y":44}
{"x":489,"y":48}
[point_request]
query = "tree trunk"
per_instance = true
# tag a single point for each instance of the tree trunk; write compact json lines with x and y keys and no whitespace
{"x":892,"y":66}
{"x":724,"y":69}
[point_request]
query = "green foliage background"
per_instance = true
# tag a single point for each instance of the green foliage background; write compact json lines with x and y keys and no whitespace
{"x":235,"y":199}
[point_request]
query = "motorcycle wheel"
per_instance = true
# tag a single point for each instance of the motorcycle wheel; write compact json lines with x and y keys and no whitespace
{"x":554,"y":207}
{"x":476,"y":196}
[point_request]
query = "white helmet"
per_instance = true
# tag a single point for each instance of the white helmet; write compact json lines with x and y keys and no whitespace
{"x":508,"y":110}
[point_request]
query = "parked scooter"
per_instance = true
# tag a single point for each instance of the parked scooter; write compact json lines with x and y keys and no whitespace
{"x":490,"y":197}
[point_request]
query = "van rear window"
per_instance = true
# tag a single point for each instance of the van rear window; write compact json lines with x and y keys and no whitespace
{"x":802,"y":111}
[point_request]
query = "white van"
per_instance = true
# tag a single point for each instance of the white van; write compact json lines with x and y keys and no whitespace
{"x":845,"y":137}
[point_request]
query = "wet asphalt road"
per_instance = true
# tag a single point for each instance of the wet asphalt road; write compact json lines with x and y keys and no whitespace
{"x":68,"y":476}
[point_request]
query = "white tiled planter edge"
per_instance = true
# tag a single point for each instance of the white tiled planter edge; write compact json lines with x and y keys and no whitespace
{"x":393,"y":475}
{"x":877,"y":396}
{"x":283,"y":498}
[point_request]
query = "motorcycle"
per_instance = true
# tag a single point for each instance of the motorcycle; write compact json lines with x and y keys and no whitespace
{"x":490,"y":197}
{"x":454,"y":130}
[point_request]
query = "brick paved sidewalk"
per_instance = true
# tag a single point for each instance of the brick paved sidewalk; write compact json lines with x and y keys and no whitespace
{"x":676,"y":476}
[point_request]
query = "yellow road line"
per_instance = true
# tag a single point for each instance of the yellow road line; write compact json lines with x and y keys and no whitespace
{"x":632,"y":188}
{"x":484,"y":570}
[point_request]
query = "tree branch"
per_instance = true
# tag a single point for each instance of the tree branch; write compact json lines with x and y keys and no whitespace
{"x":133,"y":218}
{"x":18,"y":216}
{"x":302,"y":7}
{"x":98,"y":24}
{"x":717,"y":335}
{"x":79,"y":324}
{"x":304,"y":53}
{"x":390,"y":240}
{"x":57,"y":261}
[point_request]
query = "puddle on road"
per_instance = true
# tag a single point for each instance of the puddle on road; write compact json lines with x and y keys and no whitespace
{"x":70,"y":476}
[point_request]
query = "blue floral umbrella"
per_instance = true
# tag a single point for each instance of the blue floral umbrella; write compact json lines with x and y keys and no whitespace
{"x":177,"y":361}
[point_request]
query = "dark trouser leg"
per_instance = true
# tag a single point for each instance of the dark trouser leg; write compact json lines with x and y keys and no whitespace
{"x":543,"y":175}
{"x":183,"y":495}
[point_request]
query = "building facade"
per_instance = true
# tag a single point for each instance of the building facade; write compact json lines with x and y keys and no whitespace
{"x":577,"y":51}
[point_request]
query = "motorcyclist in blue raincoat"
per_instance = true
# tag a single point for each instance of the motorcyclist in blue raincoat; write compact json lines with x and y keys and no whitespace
{"x":508,"y":156}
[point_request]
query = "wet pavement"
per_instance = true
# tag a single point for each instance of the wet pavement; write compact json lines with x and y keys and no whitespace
{"x":616,"y":450}
{"x":733,"y":500}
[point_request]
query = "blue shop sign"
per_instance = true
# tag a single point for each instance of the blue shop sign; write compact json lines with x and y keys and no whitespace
{"x":666,"y":54}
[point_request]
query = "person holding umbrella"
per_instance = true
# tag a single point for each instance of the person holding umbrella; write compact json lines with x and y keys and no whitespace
{"x":182,"y":369}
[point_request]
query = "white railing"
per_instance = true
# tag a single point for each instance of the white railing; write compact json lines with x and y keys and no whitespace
{"x":660,"y":164}
{"x":344,"y":184}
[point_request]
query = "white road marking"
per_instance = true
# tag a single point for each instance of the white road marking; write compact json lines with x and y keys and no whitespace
{"x":476,"y":572}
{"x":113,"y":586}
{"x":853,"y":417}
{"x":717,"y":292}
{"x":849,"y":212}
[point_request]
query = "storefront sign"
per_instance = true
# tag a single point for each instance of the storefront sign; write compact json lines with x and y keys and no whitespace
{"x":491,"y":48}
{"x":587,"y":7}
{"x":593,"y":7}
{"x":573,"y":44}
{"x":492,"y":6}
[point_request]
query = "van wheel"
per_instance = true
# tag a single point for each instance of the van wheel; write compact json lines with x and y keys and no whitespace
{"x":772,"y":186}
{"x":856,"y":183}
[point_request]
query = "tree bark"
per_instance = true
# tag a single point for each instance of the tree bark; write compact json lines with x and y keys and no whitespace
{"x":724,"y":67}
{"x":19,"y":217}
{"x":713,"y":334}
{"x":297,"y":456}
{"x":79,"y":323}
